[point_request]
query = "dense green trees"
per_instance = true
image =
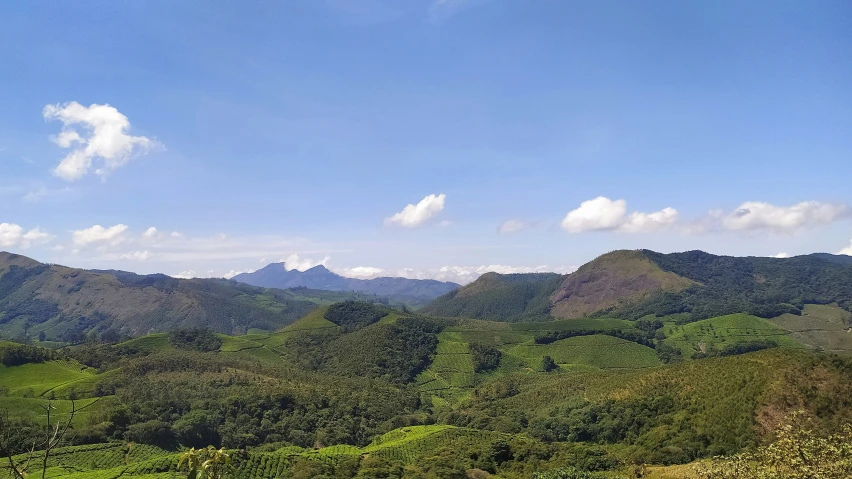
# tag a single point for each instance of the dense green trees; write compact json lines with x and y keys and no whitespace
{"x":23,"y":354}
{"x":548,"y":364}
{"x":196,"y":399}
{"x":485,"y":358}
{"x":354,"y":315}
{"x":195,"y":339}
{"x":764,"y":287}
{"x":500,"y":297}
{"x":395,"y":352}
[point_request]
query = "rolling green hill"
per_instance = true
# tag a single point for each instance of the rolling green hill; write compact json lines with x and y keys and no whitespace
{"x":68,"y":304}
{"x":499,"y":297}
{"x":358,"y":388}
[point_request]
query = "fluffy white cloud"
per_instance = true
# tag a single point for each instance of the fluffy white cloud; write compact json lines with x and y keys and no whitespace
{"x":642,"y":222}
{"x":756,"y":215}
{"x":600,"y":213}
{"x":847,"y":250}
{"x":604,"y":214}
{"x":12,"y":235}
{"x":512,"y":226}
{"x":152,"y":233}
{"x":136,"y":255}
{"x":294,"y":261}
{"x":416,"y":215}
{"x":189,"y":274}
{"x":99,"y":235}
{"x":361,"y":272}
{"x":104,"y":136}
{"x":781,"y":255}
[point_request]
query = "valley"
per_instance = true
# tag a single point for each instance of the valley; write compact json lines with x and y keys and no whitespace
{"x":508,"y":389}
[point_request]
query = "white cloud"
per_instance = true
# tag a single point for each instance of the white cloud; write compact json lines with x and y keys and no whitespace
{"x":361,"y":272}
{"x":512,"y":226}
{"x":604,"y":214}
{"x":232,"y":273}
{"x":847,"y":250}
{"x":104,"y":136}
{"x":189,"y":274}
{"x":781,"y":255}
{"x":642,"y":222}
{"x":99,"y":235}
{"x":13,"y":235}
{"x":33,"y":196}
{"x":756,"y":215}
{"x":152,"y":233}
{"x":136,"y":255}
{"x":416,"y":215}
{"x":294,"y":261}
{"x":600,"y":213}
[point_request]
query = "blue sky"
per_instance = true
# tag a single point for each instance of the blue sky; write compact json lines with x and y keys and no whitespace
{"x":533,"y":135}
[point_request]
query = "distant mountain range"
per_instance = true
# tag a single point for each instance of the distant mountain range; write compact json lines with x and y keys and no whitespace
{"x":633,"y":284}
{"x":414,"y":292}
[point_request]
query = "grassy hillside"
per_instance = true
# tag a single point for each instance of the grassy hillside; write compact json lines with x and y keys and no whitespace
{"x":600,"y":351}
{"x":499,"y":297}
{"x":823,"y":327}
{"x":69,"y":304}
{"x":356,"y":388}
{"x":715,"y":334}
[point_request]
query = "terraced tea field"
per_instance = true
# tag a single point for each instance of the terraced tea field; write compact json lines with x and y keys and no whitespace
{"x":724,"y":331}
{"x":601,"y":351}
{"x":825,"y":327}
{"x":451,"y":373}
{"x":113,"y":460}
{"x":37,"y":380}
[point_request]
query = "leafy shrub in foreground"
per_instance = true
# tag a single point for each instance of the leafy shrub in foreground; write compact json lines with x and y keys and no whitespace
{"x":797,"y":453}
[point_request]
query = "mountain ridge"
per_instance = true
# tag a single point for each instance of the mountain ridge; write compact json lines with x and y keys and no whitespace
{"x":67,"y":302}
{"x":413,"y":291}
{"x":630,"y":284}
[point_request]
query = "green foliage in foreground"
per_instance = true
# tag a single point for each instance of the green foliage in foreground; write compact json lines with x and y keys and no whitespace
{"x":412,"y":452}
{"x":798,"y":452}
{"x":403,"y":395}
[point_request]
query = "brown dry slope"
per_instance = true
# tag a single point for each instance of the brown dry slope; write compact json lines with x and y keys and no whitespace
{"x":611,"y":280}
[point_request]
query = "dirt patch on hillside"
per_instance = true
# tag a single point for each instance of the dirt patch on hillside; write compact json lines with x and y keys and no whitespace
{"x":610,"y":280}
